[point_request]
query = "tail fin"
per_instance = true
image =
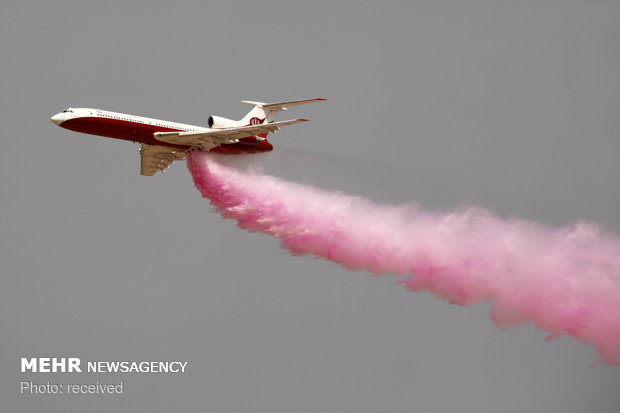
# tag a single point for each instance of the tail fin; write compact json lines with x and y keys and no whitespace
{"x":266,"y":112}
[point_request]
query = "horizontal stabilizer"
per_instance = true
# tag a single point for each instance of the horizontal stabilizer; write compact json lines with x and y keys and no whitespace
{"x":282,"y":105}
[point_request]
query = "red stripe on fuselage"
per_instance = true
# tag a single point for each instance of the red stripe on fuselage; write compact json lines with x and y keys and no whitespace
{"x":143,"y":133}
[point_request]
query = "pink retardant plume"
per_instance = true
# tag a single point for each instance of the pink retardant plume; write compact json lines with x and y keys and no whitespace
{"x":565,"y":281}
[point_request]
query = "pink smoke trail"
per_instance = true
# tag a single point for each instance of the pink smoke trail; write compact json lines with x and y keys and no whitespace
{"x":567,"y":280}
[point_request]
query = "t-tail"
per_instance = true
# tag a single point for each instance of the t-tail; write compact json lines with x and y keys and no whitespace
{"x":259,"y":114}
{"x":267,"y":111}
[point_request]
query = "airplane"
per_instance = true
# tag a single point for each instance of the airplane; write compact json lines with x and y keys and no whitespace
{"x":163,"y":142}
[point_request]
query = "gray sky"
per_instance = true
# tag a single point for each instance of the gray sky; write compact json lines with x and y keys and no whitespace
{"x":509,"y":105}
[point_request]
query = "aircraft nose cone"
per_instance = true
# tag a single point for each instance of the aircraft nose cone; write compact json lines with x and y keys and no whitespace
{"x":57,"y":119}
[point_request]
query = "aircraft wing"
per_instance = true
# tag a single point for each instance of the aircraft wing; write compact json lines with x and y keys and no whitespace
{"x":215,"y":137}
{"x":158,"y":158}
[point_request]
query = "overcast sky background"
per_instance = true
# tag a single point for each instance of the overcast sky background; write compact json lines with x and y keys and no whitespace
{"x":512,"y":106}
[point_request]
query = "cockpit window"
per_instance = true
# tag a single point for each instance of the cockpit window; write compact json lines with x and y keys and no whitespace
{"x":69,"y":110}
